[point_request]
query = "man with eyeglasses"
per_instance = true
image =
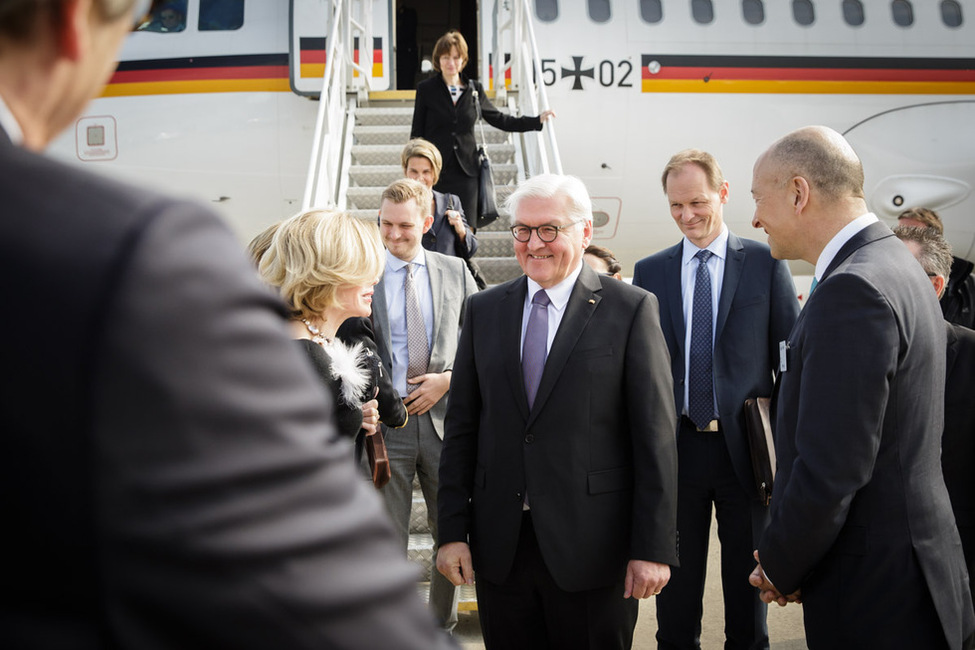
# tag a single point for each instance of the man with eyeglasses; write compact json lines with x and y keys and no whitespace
{"x":749,"y":305}
{"x":558,"y":470}
{"x":170,"y":474}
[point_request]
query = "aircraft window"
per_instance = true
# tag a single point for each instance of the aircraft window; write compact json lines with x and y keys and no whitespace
{"x":168,"y":17}
{"x":547,"y":10}
{"x":702,"y":10}
{"x":221,"y":15}
{"x":853,"y":12}
{"x":599,"y":10}
{"x":651,"y":11}
{"x":753,"y":11}
{"x":903,"y":13}
{"x":803,"y":12}
{"x":951,"y":13}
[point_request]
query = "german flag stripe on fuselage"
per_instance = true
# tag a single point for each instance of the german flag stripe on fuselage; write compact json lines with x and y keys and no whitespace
{"x":799,"y":74}
{"x":202,"y":74}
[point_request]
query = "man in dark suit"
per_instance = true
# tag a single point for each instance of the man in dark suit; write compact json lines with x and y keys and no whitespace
{"x":751,"y":306}
{"x":558,"y":471}
{"x":958,"y":440}
{"x":441,"y":285}
{"x":861,"y":519}
{"x":170,"y":472}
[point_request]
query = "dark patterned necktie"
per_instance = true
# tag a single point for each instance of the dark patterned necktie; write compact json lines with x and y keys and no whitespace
{"x":535,"y":349}
{"x":700,"y":389}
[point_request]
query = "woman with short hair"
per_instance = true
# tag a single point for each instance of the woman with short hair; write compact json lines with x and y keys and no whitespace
{"x":325,"y":265}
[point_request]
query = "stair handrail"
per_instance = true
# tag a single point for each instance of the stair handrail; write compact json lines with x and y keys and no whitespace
{"x":323,"y":185}
{"x":513,"y":26}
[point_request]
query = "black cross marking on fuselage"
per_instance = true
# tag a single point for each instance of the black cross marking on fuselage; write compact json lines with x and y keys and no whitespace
{"x":578,"y":73}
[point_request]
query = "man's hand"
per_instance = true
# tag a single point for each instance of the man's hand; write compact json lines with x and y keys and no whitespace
{"x":769,"y":594}
{"x":432,"y":386}
{"x":454,"y":562}
{"x":645,"y":579}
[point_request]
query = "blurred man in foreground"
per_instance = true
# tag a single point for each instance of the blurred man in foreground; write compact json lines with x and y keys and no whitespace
{"x":170,"y":472}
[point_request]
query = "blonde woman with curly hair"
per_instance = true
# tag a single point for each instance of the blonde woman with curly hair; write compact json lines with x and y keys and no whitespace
{"x":325,"y":265}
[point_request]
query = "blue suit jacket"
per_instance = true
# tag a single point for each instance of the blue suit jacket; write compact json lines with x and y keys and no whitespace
{"x":757,"y":309}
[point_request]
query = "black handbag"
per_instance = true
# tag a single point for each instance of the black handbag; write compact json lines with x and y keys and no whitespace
{"x":487,"y":208}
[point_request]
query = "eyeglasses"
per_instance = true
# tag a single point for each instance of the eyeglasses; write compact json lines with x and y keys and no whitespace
{"x":546,"y":233}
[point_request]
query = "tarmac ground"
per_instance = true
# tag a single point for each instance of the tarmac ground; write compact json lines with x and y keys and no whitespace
{"x":785,"y":623}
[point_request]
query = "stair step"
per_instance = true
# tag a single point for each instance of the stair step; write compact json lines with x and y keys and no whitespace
{"x":398,"y":135}
{"x":466,"y":599}
{"x":369,"y":116}
{"x":419,"y":550}
{"x":379,"y":176}
{"x":389,"y":154}
{"x":498,"y":269}
{"x":494,"y":244}
{"x":419,"y":522}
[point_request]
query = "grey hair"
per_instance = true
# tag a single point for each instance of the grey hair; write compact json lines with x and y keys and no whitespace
{"x":551,"y":186}
{"x":935,"y":255}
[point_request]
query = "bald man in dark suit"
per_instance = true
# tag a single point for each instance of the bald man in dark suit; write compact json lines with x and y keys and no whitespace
{"x":861,"y":525}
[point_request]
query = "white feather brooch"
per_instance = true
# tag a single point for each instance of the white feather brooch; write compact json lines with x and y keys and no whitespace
{"x":350,"y":367}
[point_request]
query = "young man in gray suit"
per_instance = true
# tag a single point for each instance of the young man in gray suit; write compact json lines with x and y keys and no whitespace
{"x":170,"y":472}
{"x":559,"y":467}
{"x":750,"y":305}
{"x":420,"y":369}
{"x":861,"y":522}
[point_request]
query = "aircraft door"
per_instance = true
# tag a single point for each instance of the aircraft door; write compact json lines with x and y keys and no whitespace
{"x":920,"y":156}
{"x":419,"y":23}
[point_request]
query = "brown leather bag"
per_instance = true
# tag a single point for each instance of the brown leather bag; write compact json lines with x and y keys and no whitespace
{"x":378,"y":459}
{"x":761,"y":444}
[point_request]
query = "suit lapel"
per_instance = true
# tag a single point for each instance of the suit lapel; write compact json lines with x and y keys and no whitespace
{"x":734,"y":261}
{"x":582,"y":303}
{"x":675,"y":301}
{"x":380,"y":322}
{"x":870,"y":234}
{"x":510,"y":313}
{"x":436,"y":273}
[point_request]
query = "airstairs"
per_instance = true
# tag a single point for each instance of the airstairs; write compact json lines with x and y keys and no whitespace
{"x":381,"y":128}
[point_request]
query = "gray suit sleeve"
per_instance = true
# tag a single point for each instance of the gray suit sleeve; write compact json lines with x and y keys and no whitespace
{"x":229,"y":513}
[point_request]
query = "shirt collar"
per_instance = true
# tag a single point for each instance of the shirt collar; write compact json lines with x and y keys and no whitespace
{"x":840,"y":238}
{"x":559,"y":294}
{"x":718,"y":246}
{"x":9,"y":124}
{"x":395,"y":264}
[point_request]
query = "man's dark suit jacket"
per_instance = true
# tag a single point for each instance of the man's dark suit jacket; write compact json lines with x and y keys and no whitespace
{"x":860,"y":515}
{"x":170,"y":475}
{"x":756,"y":309}
{"x":958,"y":442}
{"x":441,"y":237}
{"x":451,"y":127}
{"x":596,"y":453}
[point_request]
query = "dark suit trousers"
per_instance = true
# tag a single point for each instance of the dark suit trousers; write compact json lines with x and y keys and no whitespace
{"x":530,"y":611}
{"x":706,"y":476}
{"x":453,"y":180}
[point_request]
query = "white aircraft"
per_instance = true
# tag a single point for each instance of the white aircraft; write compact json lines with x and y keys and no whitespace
{"x":219,"y":102}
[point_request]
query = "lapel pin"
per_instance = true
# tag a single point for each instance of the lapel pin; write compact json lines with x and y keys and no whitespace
{"x":592,"y":302}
